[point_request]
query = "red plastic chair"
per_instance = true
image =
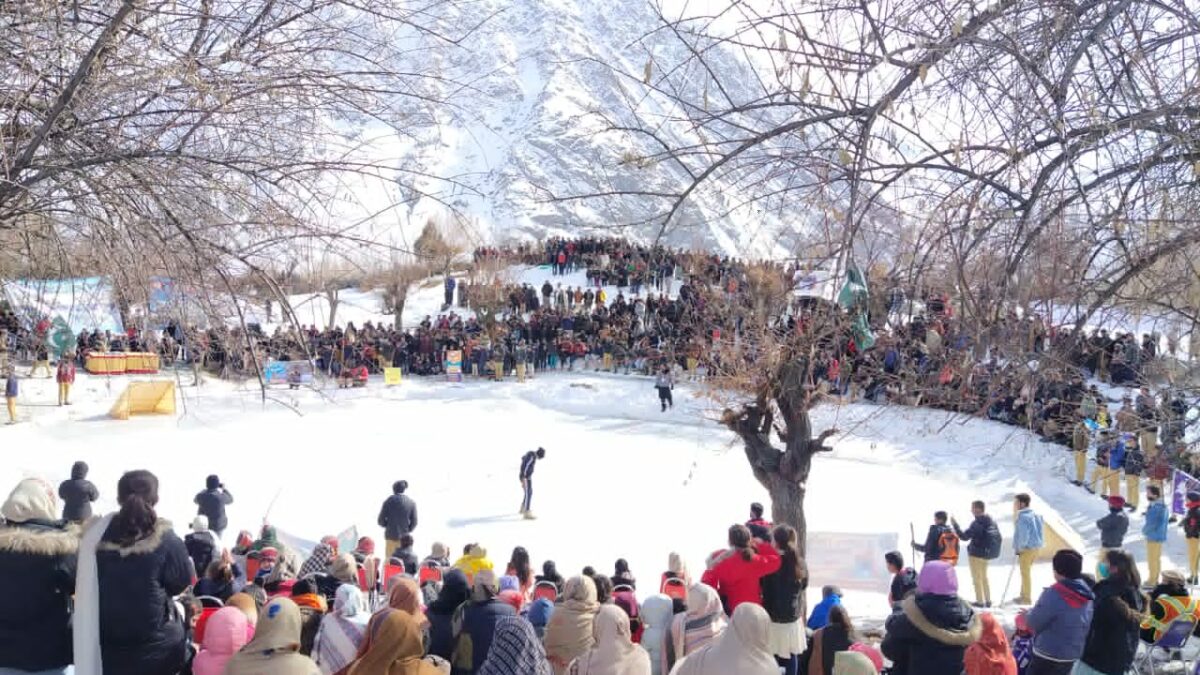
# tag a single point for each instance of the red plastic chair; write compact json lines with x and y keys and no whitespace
{"x":390,"y":570}
{"x":674,"y":588}
{"x":202,"y":622}
{"x":251,"y":568}
{"x":545,"y":589}
{"x":362,"y":579}
{"x":428,"y":573}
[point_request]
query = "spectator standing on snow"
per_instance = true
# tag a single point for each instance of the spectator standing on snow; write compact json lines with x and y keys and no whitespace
{"x":397,"y":516}
{"x":664,"y":382}
{"x":211,"y":504}
{"x":941,"y":543}
{"x":1027,"y":541}
{"x":1112,"y":527}
{"x":782,"y":593}
{"x":1112,"y":641}
{"x":528,"y":463}
{"x":77,"y":494}
{"x":736,"y":572}
{"x":984,"y":542}
{"x":11,"y":390}
{"x":1191,"y":530}
{"x":931,"y":633}
{"x":756,"y":517}
{"x":1061,"y":618}
{"x":1154,"y":529}
{"x":65,"y":376}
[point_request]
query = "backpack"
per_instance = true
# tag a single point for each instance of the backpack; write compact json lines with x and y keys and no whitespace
{"x":994,"y":541}
{"x":948,"y":545}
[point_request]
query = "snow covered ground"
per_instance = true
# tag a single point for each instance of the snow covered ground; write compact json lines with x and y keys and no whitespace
{"x":620,"y":479}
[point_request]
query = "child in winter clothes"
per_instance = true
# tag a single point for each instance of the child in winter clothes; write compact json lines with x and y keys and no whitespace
{"x":550,"y":573}
{"x":1061,"y":617}
{"x":77,"y":494}
{"x":622,"y":576}
{"x":405,"y":555}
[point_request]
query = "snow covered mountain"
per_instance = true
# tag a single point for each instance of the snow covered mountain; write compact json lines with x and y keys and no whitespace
{"x":537,"y":93}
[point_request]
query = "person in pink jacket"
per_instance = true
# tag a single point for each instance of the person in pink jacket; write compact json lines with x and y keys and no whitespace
{"x":227,"y":632}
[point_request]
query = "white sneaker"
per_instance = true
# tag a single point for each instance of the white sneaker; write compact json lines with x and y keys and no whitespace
{"x":529,"y":515}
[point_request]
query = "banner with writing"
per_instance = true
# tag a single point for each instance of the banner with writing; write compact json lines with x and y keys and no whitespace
{"x":454,"y":372}
{"x":391,"y":376}
{"x":288,"y":372}
{"x":1181,"y":484}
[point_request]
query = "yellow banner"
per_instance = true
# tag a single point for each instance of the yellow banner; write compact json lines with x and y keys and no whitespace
{"x":391,"y":376}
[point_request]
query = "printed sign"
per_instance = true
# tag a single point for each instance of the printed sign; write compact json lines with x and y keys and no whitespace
{"x":288,"y":372}
{"x":1182,"y":484}
{"x":454,"y":372}
{"x":391,"y":376}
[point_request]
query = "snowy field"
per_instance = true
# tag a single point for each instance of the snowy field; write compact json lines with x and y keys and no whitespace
{"x":620,"y":478}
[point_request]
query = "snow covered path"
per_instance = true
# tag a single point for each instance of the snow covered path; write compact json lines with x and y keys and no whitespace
{"x":620,"y":479}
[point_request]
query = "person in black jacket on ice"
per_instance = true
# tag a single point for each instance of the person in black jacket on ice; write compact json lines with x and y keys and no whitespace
{"x":77,"y":494}
{"x":397,"y":516}
{"x":211,"y":504}
{"x":984,"y":540}
{"x":528,"y":462}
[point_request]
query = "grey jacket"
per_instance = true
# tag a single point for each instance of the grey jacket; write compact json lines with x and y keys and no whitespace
{"x":1113,"y":528}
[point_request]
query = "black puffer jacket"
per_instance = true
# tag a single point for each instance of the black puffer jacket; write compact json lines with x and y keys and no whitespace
{"x":1112,"y":639}
{"x":781,"y":592}
{"x":930,"y":635}
{"x":37,"y":577}
{"x":398,"y":516}
{"x":141,"y":631}
{"x":211,"y":504}
{"x":78,"y":494}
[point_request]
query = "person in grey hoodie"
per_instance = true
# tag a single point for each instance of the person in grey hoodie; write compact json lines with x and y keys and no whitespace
{"x":664,"y":383}
{"x":1061,"y":618}
{"x":77,"y":494}
{"x":1113,"y":526}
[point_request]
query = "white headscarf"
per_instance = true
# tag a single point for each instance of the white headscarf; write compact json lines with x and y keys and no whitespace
{"x":656,"y":613}
{"x":742,"y":648}
{"x":614,"y":653}
{"x":32,"y":499}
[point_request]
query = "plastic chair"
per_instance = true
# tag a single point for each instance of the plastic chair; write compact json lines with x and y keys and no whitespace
{"x":1171,"y":641}
{"x":362,"y":579}
{"x":390,"y":570}
{"x":208,"y":601}
{"x":202,"y":623}
{"x":252,"y":568}
{"x":429,"y":573}
{"x":623,"y":588}
{"x":674,"y":588}
{"x":545,"y":589}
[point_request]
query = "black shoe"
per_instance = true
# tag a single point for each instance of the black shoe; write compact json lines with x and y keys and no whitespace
{"x":1192,"y":581}
{"x":980,"y":605}
{"x":1077,"y":483}
{"x":1089,"y":489}
{"x":1131,"y":507}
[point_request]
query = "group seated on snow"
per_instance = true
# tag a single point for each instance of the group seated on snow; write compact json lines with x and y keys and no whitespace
{"x":139,"y":608}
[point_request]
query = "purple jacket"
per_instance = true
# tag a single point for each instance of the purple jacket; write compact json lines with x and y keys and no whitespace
{"x":1060,"y":620}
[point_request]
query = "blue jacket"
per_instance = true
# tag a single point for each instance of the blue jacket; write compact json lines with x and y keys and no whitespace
{"x":1028,"y":531}
{"x":10,"y":387}
{"x":820,"y":614}
{"x":1155,"y":527}
{"x":1060,"y":620}
{"x":1116,"y":456}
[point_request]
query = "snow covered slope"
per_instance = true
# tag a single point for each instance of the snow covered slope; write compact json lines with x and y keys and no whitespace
{"x":620,"y":479}
{"x":547,"y":80}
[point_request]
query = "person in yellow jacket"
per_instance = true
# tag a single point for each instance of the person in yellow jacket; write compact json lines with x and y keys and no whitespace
{"x":473,"y":560}
{"x":1168,"y":601}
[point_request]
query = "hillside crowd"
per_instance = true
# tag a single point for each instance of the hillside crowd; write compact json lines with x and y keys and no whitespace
{"x":123,"y":593}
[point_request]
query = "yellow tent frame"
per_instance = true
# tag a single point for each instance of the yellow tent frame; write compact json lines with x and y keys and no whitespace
{"x":157,"y":397}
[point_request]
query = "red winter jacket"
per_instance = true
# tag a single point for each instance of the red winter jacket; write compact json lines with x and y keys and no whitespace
{"x":736,"y":579}
{"x":66,"y":372}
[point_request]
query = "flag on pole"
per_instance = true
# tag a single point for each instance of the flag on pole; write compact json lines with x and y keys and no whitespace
{"x":854,"y":298}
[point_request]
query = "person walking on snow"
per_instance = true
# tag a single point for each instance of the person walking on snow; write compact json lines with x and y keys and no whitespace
{"x":664,"y":383}
{"x":1028,"y":539}
{"x":528,"y":462}
{"x":211,"y":504}
{"x":397,"y":516}
{"x":11,"y":389}
{"x":983,"y":544}
{"x":65,"y":378}
{"x":1155,"y":532}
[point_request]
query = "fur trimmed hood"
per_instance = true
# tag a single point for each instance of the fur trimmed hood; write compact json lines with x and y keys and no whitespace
{"x":946,"y":636}
{"x":37,"y":539}
{"x":148,"y":544}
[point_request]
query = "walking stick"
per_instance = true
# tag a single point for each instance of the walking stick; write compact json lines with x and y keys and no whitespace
{"x":912,"y":541}
{"x":1007,"y":584}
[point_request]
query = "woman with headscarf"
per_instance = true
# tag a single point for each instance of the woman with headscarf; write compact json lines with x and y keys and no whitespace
{"x":614,"y":652}
{"x":743,"y":648}
{"x":341,"y":631}
{"x":443,"y":629}
{"x":275,"y":649}
{"x":569,"y":633}
{"x":479,"y":617}
{"x":657,"y":611}
{"x":249,"y":607}
{"x":37,"y":577}
{"x":312,"y":610}
{"x":392,"y":646}
{"x":698,"y":626}
{"x":132,"y":565}
{"x":318,"y":562}
{"x":991,"y":655}
{"x":515,"y":650}
{"x":406,"y":595}
{"x":342,"y":570}
{"x":225,"y":633}
{"x":853,"y":663}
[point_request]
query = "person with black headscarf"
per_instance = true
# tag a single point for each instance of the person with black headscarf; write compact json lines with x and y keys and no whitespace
{"x":455,"y":591}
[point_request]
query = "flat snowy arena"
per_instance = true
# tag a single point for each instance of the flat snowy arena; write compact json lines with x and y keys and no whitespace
{"x":620,"y":479}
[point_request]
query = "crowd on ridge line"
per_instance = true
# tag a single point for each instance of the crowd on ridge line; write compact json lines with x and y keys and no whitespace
{"x":138,"y":606}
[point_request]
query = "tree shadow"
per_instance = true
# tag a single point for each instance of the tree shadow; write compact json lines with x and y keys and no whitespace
{"x":483,"y":520}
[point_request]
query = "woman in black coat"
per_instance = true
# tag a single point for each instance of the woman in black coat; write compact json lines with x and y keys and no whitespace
{"x":1112,"y":640}
{"x":37,"y":577}
{"x":931,"y":632}
{"x":782,"y":593}
{"x":141,"y":565}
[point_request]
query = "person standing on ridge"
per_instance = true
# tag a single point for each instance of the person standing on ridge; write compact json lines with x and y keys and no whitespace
{"x":211,"y":504}
{"x":1154,"y":529}
{"x":941,"y":542}
{"x":397,"y":516}
{"x":528,"y":462}
{"x":1028,"y":539}
{"x":983,"y":544}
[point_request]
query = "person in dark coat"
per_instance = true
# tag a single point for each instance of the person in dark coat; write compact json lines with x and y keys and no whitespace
{"x":934,"y":547}
{"x":931,"y":633}
{"x":904,"y":579}
{"x":836,"y":636}
{"x":141,"y":565}
{"x":782,"y":597}
{"x":454,"y":592}
{"x":479,"y":621}
{"x":1112,"y":640}
{"x":77,"y":494}
{"x":397,"y":516}
{"x":201,"y":546}
{"x":983,"y":537}
{"x":37,"y":578}
{"x":211,"y":504}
